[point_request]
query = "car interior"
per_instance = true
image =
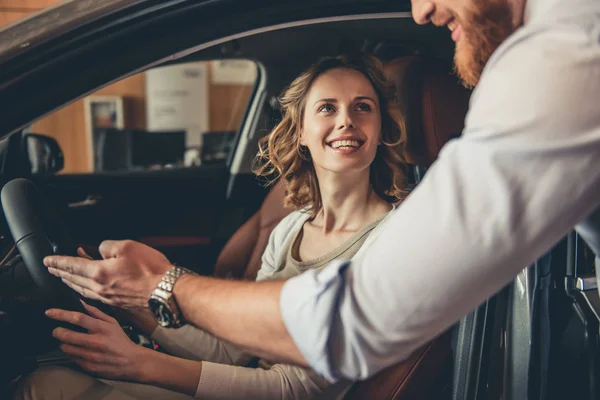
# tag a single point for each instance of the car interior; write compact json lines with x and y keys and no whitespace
{"x":537,"y":333}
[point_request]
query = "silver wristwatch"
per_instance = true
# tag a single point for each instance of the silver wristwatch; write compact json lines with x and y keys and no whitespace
{"x":162,"y":303}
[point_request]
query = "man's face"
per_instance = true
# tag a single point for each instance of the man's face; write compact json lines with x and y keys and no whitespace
{"x":478,"y":27}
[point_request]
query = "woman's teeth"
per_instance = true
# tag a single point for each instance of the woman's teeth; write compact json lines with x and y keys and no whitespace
{"x":343,"y":144}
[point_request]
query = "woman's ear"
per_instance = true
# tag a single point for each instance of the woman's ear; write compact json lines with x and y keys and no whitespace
{"x":302,"y":138}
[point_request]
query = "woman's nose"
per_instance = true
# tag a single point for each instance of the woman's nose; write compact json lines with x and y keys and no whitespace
{"x":345,"y":121}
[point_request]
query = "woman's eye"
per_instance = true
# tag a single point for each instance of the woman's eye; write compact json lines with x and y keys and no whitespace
{"x":363,"y":107}
{"x":326,"y":108}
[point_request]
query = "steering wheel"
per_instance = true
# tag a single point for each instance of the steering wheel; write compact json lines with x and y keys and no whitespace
{"x":38,"y":233}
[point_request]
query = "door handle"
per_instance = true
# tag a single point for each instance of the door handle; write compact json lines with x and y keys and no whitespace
{"x":91,"y":200}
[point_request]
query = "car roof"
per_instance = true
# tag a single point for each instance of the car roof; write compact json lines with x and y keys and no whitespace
{"x":70,"y":15}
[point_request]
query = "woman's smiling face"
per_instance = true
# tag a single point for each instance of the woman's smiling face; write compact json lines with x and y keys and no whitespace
{"x":341,"y":125}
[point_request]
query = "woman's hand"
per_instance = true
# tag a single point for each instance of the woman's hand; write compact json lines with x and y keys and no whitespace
{"x":105,"y":350}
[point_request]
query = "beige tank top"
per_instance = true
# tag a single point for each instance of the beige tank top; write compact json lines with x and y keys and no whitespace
{"x":345,"y":251}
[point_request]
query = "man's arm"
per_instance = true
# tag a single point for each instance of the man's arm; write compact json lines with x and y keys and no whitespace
{"x":524,"y":173}
{"x":239,"y":312}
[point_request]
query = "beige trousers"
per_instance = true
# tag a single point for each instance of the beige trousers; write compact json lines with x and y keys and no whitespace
{"x":54,"y":383}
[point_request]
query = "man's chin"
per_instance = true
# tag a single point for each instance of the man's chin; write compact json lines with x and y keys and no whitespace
{"x":465,"y":66}
{"x":483,"y":32}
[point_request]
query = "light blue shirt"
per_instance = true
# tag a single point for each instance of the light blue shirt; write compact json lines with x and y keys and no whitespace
{"x":524,"y":172}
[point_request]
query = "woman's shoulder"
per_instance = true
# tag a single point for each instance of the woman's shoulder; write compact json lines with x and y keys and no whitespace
{"x":273,"y":256}
{"x":291,"y":223}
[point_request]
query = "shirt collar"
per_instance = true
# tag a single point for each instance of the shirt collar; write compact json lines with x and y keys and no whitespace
{"x":539,"y":8}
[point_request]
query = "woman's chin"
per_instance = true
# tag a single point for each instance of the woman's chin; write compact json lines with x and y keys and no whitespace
{"x":347,"y":168}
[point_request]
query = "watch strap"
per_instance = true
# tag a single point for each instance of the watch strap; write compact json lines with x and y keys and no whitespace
{"x":168,"y":280}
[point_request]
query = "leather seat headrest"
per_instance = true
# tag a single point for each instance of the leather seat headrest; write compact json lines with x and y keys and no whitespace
{"x":433,"y":102}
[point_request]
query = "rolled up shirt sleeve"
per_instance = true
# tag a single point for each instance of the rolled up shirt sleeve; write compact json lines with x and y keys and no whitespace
{"x":312,"y":297}
{"x":525,"y":171}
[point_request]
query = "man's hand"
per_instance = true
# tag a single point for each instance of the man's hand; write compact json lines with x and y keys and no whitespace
{"x":125,"y":277}
{"x":105,"y":350}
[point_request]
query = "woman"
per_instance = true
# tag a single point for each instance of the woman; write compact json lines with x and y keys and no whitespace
{"x":337,"y":150}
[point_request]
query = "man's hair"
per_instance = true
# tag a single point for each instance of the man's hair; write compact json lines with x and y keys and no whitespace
{"x":281,"y":155}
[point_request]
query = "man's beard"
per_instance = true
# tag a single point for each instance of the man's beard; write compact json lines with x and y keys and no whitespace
{"x":483,"y":30}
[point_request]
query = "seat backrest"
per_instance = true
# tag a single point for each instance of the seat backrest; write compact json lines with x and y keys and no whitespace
{"x":241,"y":256}
{"x":434,"y":105}
{"x":433,"y":102}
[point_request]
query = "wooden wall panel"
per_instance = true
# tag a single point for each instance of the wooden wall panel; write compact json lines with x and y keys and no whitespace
{"x":227,"y":106}
{"x":27,"y":4}
{"x":67,"y":126}
{"x":8,"y":17}
{"x":14,"y":10}
{"x":133,"y":90}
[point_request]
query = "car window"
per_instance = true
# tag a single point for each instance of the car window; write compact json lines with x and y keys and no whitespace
{"x":175,"y":116}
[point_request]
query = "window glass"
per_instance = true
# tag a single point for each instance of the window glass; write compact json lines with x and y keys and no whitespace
{"x":174,"y":116}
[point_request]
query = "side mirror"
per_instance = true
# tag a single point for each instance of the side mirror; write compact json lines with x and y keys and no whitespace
{"x":42,"y":153}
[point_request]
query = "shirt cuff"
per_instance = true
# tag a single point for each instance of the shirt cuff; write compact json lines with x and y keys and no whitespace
{"x":308,"y":303}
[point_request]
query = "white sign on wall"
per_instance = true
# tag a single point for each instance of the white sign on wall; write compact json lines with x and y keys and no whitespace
{"x":177,"y":99}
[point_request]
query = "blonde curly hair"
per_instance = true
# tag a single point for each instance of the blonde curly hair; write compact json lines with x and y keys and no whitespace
{"x":280,"y":154}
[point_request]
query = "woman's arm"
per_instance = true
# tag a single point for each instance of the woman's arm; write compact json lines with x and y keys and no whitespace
{"x":280,"y":381}
{"x":169,"y":372}
{"x":107,"y":352}
{"x":188,"y":341}
{"x":195,"y":344}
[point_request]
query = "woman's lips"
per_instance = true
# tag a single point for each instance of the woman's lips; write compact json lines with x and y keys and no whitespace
{"x":345,"y":146}
{"x":345,"y":150}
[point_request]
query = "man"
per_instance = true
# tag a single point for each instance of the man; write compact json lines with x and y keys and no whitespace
{"x":522,"y":175}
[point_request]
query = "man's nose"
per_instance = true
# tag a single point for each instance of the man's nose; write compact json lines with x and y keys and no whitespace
{"x":422,"y":11}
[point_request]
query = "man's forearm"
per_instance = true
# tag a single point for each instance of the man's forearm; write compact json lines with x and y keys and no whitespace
{"x":244,"y":313}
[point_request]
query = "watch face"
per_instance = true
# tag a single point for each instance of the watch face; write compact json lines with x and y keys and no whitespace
{"x":161,"y":312}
